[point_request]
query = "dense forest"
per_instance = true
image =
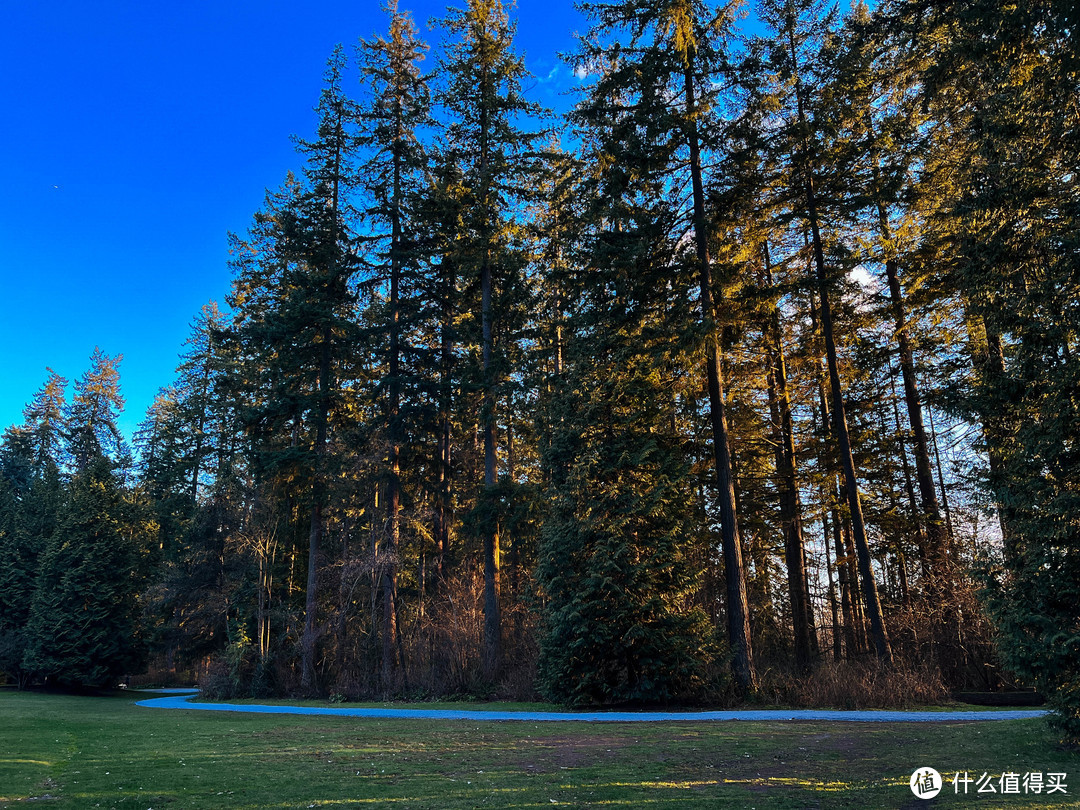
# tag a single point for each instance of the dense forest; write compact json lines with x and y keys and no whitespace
{"x":754,"y":375}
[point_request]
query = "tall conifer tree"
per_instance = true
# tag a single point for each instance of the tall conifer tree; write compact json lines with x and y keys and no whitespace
{"x":798,"y":25}
{"x":482,"y":97}
{"x":661,"y":59}
{"x":398,"y":106}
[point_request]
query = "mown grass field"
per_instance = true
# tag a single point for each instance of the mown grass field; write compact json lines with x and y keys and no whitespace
{"x":84,"y":752}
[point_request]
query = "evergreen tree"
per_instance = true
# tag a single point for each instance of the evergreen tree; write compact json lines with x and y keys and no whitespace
{"x":613,"y":568}
{"x":83,"y":625}
{"x":205,"y":401}
{"x":799,"y":27}
{"x":1005,"y":78}
{"x":90,"y":421}
{"x":657,"y":66}
{"x":614,"y":576}
{"x":293,"y":301}
{"x":44,"y":417}
{"x":13,"y":578}
{"x":441,"y":217}
{"x":30,"y":495}
{"x":399,"y":106}
{"x":482,"y":98}
{"x":618,"y":624}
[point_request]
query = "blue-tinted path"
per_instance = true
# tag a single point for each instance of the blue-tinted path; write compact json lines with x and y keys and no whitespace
{"x":183,"y":701}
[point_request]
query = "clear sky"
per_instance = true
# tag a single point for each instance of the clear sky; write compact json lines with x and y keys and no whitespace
{"x":135,"y":135}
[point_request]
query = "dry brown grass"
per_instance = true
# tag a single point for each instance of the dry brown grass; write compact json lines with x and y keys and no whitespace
{"x":855,"y":685}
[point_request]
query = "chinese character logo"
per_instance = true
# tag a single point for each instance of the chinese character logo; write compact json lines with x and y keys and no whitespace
{"x":925,"y":783}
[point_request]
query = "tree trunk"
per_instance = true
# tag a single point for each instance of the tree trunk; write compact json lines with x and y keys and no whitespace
{"x":738,"y":610}
{"x":802,"y":616}
{"x":197,"y":453}
{"x":492,"y":620}
{"x":845,"y":574}
{"x":804,"y":160}
{"x":393,"y":484}
{"x":882,"y":648}
{"x":318,"y":488}
{"x":492,"y":653}
{"x":443,"y":474}
{"x":937,"y":538}
{"x":909,"y":486}
{"x":836,"y":650}
{"x":307,"y":644}
{"x":941,"y":481}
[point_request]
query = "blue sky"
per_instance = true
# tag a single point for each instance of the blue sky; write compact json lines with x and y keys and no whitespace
{"x":136,"y":135}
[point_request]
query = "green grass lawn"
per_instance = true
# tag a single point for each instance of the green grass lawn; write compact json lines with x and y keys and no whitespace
{"x":83,"y":752}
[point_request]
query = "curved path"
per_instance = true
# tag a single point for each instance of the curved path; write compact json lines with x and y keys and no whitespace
{"x":176,"y":700}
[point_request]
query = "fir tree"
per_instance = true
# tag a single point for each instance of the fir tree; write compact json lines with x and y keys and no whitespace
{"x":44,"y":417}
{"x":83,"y":625}
{"x":1005,"y":80}
{"x":399,"y":106}
{"x":618,"y":621}
{"x":656,"y":67}
{"x":798,"y":27}
{"x":482,"y":97}
{"x":90,"y":421}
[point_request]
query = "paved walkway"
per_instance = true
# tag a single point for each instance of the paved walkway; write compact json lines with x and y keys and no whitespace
{"x":180,"y":699}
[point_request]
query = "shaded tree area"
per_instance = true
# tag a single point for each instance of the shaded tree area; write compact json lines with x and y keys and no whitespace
{"x":754,"y":373}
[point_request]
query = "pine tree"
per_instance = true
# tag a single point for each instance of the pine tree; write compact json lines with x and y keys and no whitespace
{"x":661,"y":60}
{"x":165,"y":470}
{"x":790,"y":509}
{"x":293,"y":298}
{"x":30,"y":495}
{"x":619,"y":619}
{"x":44,"y":417}
{"x":441,"y":223}
{"x":13,"y":579}
{"x":876,"y":81}
{"x":202,"y":399}
{"x":616,"y":583}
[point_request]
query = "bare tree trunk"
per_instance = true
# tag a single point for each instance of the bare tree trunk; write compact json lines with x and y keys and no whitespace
{"x":930,"y":514}
{"x":909,"y":486}
{"x":847,"y":586}
{"x":492,"y":653}
{"x":441,"y":519}
{"x":393,"y":485}
{"x":738,"y":609}
{"x":882,"y":648}
{"x":307,"y":641}
{"x":492,"y":619}
{"x":832,"y":585}
{"x":197,"y":453}
{"x":839,"y":411}
{"x":802,"y":614}
{"x":941,"y":480}
{"x":844,"y":571}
